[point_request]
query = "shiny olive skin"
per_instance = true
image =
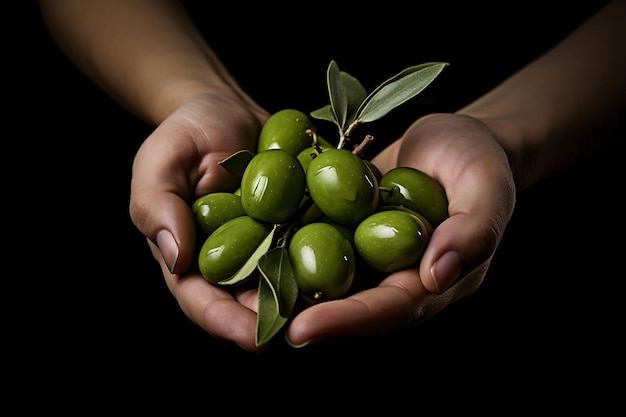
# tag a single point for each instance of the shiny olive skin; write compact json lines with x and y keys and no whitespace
{"x":309,"y":153}
{"x":343,"y":186}
{"x":375,"y":170}
{"x":286,"y":129}
{"x":214,"y":209}
{"x":323,"y":262}
{"x":348,"y":231}
{"x":311,"y":214}
{"x":228,"y":248}
{"x":416,"y":190}
{"x":272,"y":186}
{"x":393,"y":239}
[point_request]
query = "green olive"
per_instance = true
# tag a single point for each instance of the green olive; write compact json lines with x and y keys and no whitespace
{"x":343,"y":186}
{"x":228,"y":248}
{"x":416,"y":190}
{"x":375,"y":170}
{"x":287,"y":129}
{"x":311,"y":214}
{"x":214,"y":209}
{"x":348,"y":231}
{"x":272,"y":186}
{"x":323,"y":262}
{"x":392,"y":239}
{"x":309,"y":153}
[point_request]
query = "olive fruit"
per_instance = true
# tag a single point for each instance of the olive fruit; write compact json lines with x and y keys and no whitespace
{"x":228,"y":248}
{"x":342,"y":185}
{"x":375,"y":170}
{"x":323,"y":262}
{"x":392,"y":239}
{"x":287,"y":129}
{"x":214,"y":209}
{"x":416,"y":190}
{"x":310,"y":215}
{"x":309,"y":153}
{"x":272,"y":186}
{"x":348,"y":231}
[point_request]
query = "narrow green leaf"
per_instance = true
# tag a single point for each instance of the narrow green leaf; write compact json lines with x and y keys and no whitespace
{"x":278,"y":293}
{"x":236,"y":163}
{"x":337,"y":94}
{"x":251,"y":264}
{"x":398,"y":89}
{"x":275,"y":266}
{"x":325,"y":113}
{"x":355,"y":95}
{"x":269,"y":321}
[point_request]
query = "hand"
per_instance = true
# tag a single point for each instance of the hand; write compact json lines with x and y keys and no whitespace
{"x":177,"y":163}
{"x":462,"y":154}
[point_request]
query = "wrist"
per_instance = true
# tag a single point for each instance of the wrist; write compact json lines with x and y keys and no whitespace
{"x":170,"y":96}
{"x":521,"y":142}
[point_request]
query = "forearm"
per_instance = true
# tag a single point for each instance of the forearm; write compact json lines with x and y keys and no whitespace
{"x":146,"y":54}
{"x":557,"y":109}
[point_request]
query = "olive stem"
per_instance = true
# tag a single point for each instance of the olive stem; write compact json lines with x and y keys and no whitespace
{"x":351,"y":128}
{"x":313,"y":134}
{"x":364,"y":144}
{"x":342,"y":141}
{"x":316,"y":143}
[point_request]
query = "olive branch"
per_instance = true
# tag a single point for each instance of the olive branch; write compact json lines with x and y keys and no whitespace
{"x":351,"y":105}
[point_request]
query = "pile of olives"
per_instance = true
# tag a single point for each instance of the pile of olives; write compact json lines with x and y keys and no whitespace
{"x":307,"y":215}
{"x":329,"y":209}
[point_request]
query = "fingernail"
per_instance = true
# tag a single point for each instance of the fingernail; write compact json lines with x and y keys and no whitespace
{"x":300,"y":345}
{"x":446,"y":270}
{"x":169,"y":249}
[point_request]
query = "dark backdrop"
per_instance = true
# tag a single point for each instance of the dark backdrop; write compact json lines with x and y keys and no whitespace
{"x":92,"y":305}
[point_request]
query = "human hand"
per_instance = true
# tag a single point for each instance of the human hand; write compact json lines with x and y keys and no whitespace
{"x":462,"y":154}
{"x":177,"y":163}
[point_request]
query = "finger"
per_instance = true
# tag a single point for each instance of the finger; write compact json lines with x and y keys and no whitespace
{"x":169,"y":169}
{"x":374,"y":311}
{"x":158,"y":198}
{"x":400,"y":300}
{"x":214,"y":309}
{"x":479,"y":211}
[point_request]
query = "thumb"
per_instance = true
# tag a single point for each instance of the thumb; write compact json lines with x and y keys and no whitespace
{"x":469,"y":237}
{"x":166,"y":220}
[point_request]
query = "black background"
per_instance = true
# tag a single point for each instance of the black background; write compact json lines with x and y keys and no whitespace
{"x":87,"y":303}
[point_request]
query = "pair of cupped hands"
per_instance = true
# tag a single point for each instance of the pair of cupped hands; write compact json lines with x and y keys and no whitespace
{"x":179,"y":161}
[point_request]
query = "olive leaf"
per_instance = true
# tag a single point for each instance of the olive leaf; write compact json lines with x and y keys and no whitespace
{"x":325,"y":113}
{"x":356,"y":94}
{"x":337,"y":93}
{"x":397,"y":90}
{"x":350,"y":105}
{"x":346,"y":93}
{"x":278,"y":293}
{"x":236,"y":163}
{"x":251,"y":264}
